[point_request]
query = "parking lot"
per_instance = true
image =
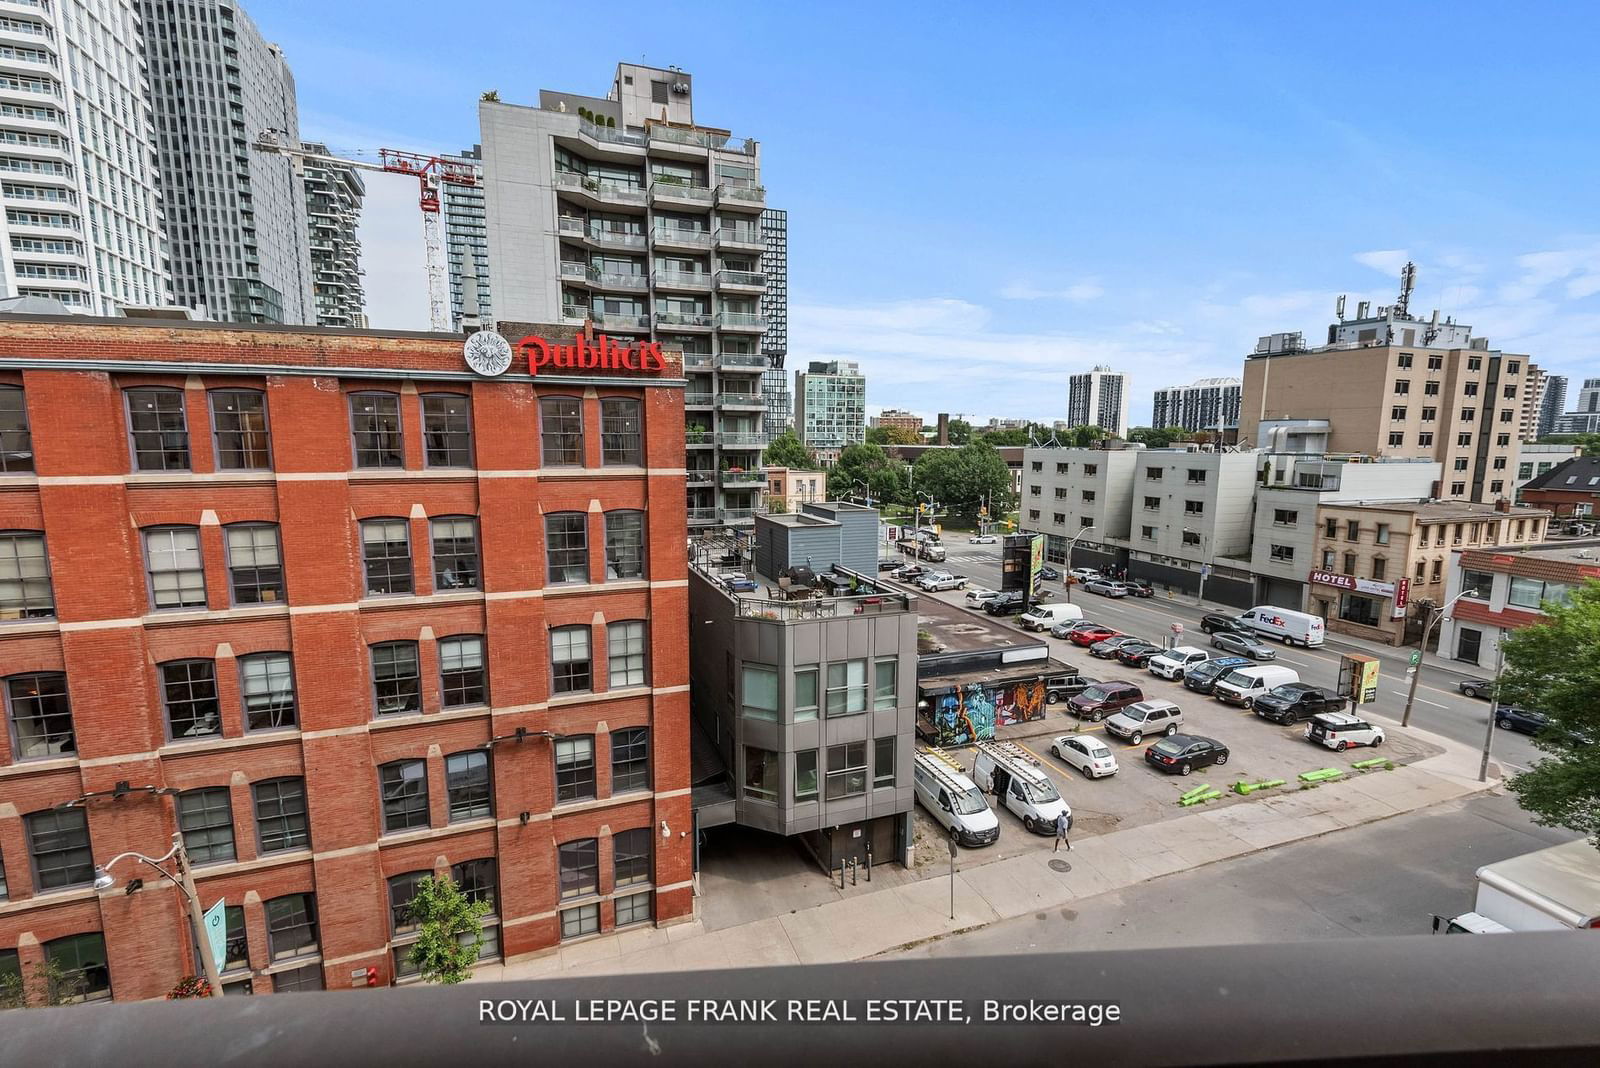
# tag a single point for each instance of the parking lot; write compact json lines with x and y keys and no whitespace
{"x":1139,"y":794}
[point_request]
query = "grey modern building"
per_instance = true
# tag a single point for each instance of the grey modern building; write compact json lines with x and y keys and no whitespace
{"x":1208,"y":404}
{"x":622,"y":211}
{"x":830,"y":404}
{"x":334,"y":193}
{"x":1099,"y":398}
{"x":466,"y":243}
{"x":1552,"y":403}
{"x":775,"y":309}
{"x":803,"y":674}
{"x":1584,"y":418}
{"x":235,"y":214}
{"x":83,"y":219}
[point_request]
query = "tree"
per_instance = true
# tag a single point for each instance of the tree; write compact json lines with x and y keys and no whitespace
{"x":1083,"y":436}
{"x":892,"y":435}
{"x":1554,"y":667}
{"x":960,"y":431}
{"x":1154,"y":438}
{"x":450,"y":931}
{"x":47,"y":984}
{"x":787,"y":450}
{"x":998,"y":438}
{"x":870,"y":466}
{"x":961,"y":479}
{"x":1590,"y":443}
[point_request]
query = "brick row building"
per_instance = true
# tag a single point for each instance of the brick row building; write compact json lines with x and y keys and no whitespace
{"x":343,"y":614}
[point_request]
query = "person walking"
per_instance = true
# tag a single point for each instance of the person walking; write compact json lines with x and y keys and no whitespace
{"x":1061,"y":832}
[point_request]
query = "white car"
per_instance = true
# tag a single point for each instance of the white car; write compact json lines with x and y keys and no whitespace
{"x":1173,"y":663}
{"x":1088,"y":754}
{"x":1084,"y":574}
{"x":983,"y":539}
{"x":978,"y":596}
{"x":941,"y":580}
{"x":1341,"y":730}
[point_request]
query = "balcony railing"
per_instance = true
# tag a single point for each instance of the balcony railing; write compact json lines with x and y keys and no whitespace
{"x":754,"y":279}
{"x":737,"y":515}
{"x":735,"y":438}
{"x":740,"y":235}
{"x":701,"y":320}
{"x":702,"y":515}
{"x":606,"y":280}
{"x":599,"y":189}
{"x":741,"y":361}
{"x":697,"y":360}
{"x":621,"y":321}
{"x":665,"y":187}
{"x":702,"y":477}
{"x":607,"y":238}
{"x":697,"y":400}
{"x":574,"y":311}
{"x":573,"y":271}
{"x":611,"y":135}
{"x":740,"y":321}
{"x":740,"y":189}
{"x":698,"y":138}
{"x":733,"y":399}
{"x":683,"y":279}
{"x":743,"y":480}
{"x":681,"y":235}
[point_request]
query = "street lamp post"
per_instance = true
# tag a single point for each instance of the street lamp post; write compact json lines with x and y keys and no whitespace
{"x":103,"y":880}
{"x":1205,"y":541}
{"x":1422,"y":651}
{"x":1072,"y":543}
{"x":1494,"y":711}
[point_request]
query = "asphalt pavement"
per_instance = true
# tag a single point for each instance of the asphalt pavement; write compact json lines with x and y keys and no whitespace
{"x":1439,"y":707}
{"x":1384,"y":878}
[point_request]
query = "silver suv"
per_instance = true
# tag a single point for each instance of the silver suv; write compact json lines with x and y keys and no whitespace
{"x":1145,"y":718}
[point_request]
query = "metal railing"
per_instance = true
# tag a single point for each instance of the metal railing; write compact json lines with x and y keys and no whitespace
{"x":598,"y":188}
{"x":743,"y":479}
{"x":683,"y":279}
{"x":700,"y":477}
{"x":691,"y":319}
{"x":740,"y":321}
{"x":699,"y":437}
{"x":615,"y":238}
{"x":621,"y":321}
{"x":702,"y":515}
{"x":606,"y":280}
{"x":697,"y":400}
{"x":736,"y":399}
{"x":574,"y":311}
{"x":698,"y":138}
{"x":735,"y":438}
{"x":666,"y":187}
{"x":611,"y":135}
{"x":742,"y":361}
{"x":741,"y":189}
{"x":578,"y":272}
{"x":736,"y":515}
{"x":680,"y":235}
{"x":741,"y":278}
{"x":740,"y":235}
{"x":692,"y":360}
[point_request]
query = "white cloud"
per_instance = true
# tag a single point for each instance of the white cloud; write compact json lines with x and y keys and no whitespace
{"x":1078,"y":292}
{"x":1388,"y":261}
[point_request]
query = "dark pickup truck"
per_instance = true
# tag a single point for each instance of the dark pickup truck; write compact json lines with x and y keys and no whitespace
{"x":1296,"y":701}
{"x":1060,"y":687}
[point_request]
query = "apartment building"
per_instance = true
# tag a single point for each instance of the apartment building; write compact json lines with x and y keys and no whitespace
{"x":83,"y":219}
{"x":1207,"y":404}
{"x":235,"y":214}
{"x":775,"y":310}
{"x":1503,"y":588}
{"x":803,"y":673}
{"x":342,"y":614}
{"x":1584,"y":418}
{"x":1099,"y":398}
{"x":624,"y":212}
{"x":1532,"y":404}
{"x":830,"y":404}
{"x":1377,"y":559}
{"x":1084,"y":495}
{"x":1284,"y":542}
{"x":466,"y":243}
{"x":897,"y":419}
{"x":1552,"y":404}
{"x":334,"y":192}
{"x":1390,"y":385}
{"x":789,"y":488}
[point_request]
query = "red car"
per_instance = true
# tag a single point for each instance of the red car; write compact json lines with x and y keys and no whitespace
{"x":1088,"y":637}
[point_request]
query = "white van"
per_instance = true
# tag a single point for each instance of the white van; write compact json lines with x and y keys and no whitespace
{"x":1285,"y":624}
{"x":950,"y":797}
{"x":1242,"y":686}
{"x":1045,"y":616}
{"x":1004,"y":769}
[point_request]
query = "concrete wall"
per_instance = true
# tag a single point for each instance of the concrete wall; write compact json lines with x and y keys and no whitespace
{"x":518,"y":160}
{"x":858,"y":534}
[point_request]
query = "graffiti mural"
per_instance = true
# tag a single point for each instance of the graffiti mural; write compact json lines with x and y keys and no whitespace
{"x":971,"y":713}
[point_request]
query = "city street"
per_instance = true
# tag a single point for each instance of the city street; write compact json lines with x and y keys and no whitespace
{"x":1438,"y":707}
{"x":1384,"y":878}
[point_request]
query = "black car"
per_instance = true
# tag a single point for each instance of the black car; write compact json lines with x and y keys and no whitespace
{"x":888,"y":565}
{"x":1008,"y":603}
{"x":1180,"y":754}
{"x":1522,"y":720}
{"x":1212,"y":622}
{"x":1139,"y":588}
{"x":1296,"y":701}
{"x":1108,"y":649}
{"x":1475,"y":687}
{"x":1202,"y":678}
{"x":1137,"y":654}
{"x":1049,"y":573}
{"x":1060,"y":687}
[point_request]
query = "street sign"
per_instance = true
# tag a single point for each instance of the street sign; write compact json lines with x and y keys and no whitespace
{"x":216,"y":921}
{"x":1205,"y":570}
{"x":1416,"y":657}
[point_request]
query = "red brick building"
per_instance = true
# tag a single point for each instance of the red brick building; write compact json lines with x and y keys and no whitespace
{"x":310,"y":585}
{"x":1571,"y":489}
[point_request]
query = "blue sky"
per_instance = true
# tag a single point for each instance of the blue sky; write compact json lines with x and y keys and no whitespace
{"x":984,"y":198}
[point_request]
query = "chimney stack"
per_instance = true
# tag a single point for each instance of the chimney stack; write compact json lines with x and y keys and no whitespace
{"x":943,"y":436}
{"x":1503,"y":504}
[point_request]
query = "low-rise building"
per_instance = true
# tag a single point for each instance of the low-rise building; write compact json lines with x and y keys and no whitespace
{"x":790,"y":487}
{"x":1375,"y":560}
{"x":1535,"y":460}
{"x":803,"y":677}
{"x":975,"y":675}
{"x":1569,"y":490}
{"x":1080,"y":499}
{"x":897,"y":419}
{"x":1502,"y":589}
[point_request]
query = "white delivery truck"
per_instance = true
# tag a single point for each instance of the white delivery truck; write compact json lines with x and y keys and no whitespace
{"x":1020,"y":782}
{"x":1555,"y":889}
{"x":1242,"y":686}
{"x":1285,"y":624}
{"x":941,"y":784}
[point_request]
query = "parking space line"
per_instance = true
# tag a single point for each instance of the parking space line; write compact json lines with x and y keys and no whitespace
{"x":1435,"y":704}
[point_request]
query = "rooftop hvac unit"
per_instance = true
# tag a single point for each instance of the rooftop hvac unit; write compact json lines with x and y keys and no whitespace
{"x":680,"y":87}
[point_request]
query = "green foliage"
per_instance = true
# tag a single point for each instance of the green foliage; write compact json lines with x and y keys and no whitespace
{"x":45,"y":985}
{"x":1082,"y":436}
{"x":1589,"y":442}
{"x":960,"y":478}
{"x":1160,"y":438}
{"x":787,"y":450}
{"x":870,"y":465}
{"x":960,"y":431}
{"x":450,"y":931}
{"x":1554,"y":667}
{"x":892,"y":435}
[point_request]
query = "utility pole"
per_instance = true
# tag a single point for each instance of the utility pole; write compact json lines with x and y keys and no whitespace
{"x":197,"y":917}
{"x":1072,"y":543}
{"x":1205,"y":542}
{"x":1436,"y":614}
{"x":1494,"y":713}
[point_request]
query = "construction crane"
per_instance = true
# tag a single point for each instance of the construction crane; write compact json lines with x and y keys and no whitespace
{"x":430,"y":172}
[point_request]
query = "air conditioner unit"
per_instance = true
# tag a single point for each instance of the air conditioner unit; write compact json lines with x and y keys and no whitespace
{"x":680,"y":87}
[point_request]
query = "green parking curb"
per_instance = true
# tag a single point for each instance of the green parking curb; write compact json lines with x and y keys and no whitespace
{"x":1244,"y":789}
{"x":1373,"y":763}
{"x":1209,"y":795}
{"x":1320,"y":775}
{"x":1197,"y":790}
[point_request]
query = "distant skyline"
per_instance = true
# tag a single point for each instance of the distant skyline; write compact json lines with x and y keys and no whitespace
{"x":1010,"y":196}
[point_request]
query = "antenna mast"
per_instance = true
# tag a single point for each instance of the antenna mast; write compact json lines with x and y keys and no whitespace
{"x":1408,"y":282}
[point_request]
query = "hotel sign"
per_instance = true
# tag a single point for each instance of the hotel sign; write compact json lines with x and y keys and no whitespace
{"x":600,"y":353}
{"x":1346,"y":582}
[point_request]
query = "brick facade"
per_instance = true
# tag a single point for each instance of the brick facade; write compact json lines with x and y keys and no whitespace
{"x":104,"y":633}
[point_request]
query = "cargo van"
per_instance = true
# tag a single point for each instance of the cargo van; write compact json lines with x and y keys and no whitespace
{"x":1021,"y":784}
{"x":941,"y":784}
{"x":1285,"y":624}
{"x":1242,"y":686}
{"x":1045,"y":616}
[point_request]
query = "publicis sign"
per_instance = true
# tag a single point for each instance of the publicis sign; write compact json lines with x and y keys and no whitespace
{"x":600,"y":353}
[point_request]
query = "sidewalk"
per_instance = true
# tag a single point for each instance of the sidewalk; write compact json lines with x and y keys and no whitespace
{"x":870,"y":924}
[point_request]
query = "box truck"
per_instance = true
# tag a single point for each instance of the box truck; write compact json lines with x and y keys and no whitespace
{"x":1555,"y":889}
